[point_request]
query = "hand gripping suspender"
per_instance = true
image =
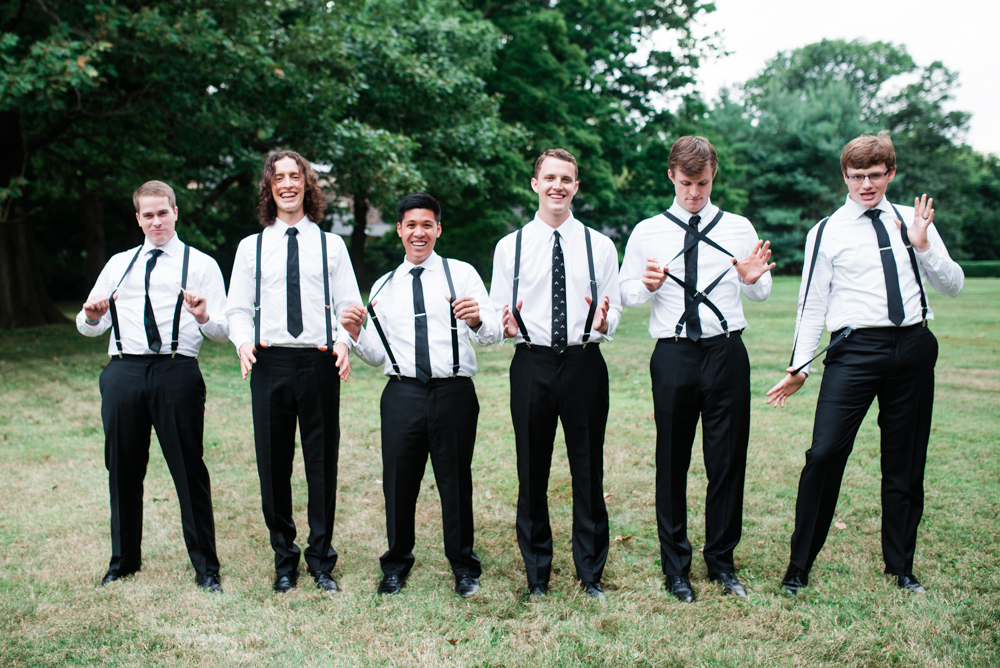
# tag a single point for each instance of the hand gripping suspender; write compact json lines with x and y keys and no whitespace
{"x":454,"y":324}
{"x":177,"y":309}
{"x":913,"y":263}
{"x":699,"y":297}
{"x":378,"y":325}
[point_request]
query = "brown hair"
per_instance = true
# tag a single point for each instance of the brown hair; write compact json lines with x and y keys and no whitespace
{"x":559,"y":154}
{"x":154,"y":189}
{"x":314,"y":201}
{"x":691,"y":155}
{"x":868,"y":151}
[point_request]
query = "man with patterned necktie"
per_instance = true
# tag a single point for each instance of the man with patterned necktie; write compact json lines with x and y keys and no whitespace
{"x":865,"y":271}
{"x":160,"y":301}
{"x":556,"y":283}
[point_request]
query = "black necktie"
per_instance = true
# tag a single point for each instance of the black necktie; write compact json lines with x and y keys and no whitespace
{"x":896,"y":313}
{"x":293,"y":292}
{"x":423,"y":351}
{"x":559,"y":340}
{"x":148,"y":319}
{"x":691,"y":278}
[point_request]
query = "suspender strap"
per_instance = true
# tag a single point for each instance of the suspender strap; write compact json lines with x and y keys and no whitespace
{"x":111,"y":302}
{"x":327,"y":305}
{"x":180,"y":302}
{"x":593,"y":287}
{"x":834,"y":341}
{"x":699,"y":297}
{"x":913,"y":263}
{"x":454,"y":324}
{"x":256,"y":299}
{"x":378,"y":326}
{"x":699,"y":235}
{"x":805,"y":297}
{"x":517,"y":279}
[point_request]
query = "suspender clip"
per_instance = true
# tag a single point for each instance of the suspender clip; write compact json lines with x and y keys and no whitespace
{"x":676,"y":338}
{"x":727,"y":333}
{"x":173,"y":355}
{"x":120,"y":356}
{"x":924,"y":323}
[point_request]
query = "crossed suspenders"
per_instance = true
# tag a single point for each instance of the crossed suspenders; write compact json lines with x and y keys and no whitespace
{"x":593,"y":289}
{"x":455,"y":367}
{"x":327,"y":304}
{"x":177,"y":309}
{"x":844,"y":333}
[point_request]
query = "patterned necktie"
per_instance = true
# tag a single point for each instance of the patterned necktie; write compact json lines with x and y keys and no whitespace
{"x":691,"y":278}
{"x":148,"y":319}
{"x":895,"y":299}
{"x":559,"y":338}
{"x":293,"y":291}
{"x":421,"y":348}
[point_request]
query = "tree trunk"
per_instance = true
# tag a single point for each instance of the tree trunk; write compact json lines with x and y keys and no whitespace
{"x":358,"y":238}
{"x":92,"y":213}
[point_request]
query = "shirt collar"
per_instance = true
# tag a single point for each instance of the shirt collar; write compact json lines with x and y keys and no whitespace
{"x":280,"y":227}
{"x":170,"y":248}
{"x":430,"y":264}
{"x":707,"y":213}
{"x":857,"y":209}
{"x":569,"y":227}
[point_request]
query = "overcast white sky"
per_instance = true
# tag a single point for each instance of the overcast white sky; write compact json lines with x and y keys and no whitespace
{"x":965,"y":36}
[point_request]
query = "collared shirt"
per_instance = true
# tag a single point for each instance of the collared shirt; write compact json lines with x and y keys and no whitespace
{"x":848,"y":284}
{"x":662,"y":239}
{"x":394,"y":308}
{"x":273,"y":291}
{"x":204,"y":276}
{"x":536,"y":279}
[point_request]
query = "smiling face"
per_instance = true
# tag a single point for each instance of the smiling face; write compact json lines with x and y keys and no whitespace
{"x":288,"y":189}
{"x":419,"y":231}
{"x":556,"y":185}
{"x":692,"y":190}
{"x":157,"y":219}
{"x":868,"y":192}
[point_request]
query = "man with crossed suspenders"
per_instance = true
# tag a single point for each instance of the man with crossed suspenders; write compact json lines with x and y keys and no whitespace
{"x":699,"y":365}
{"x":424,"y":314}
{"x":286,"y":282}
{"x":556,"y":283}
{"x":866,"y":274}
{"x":160,"y":301}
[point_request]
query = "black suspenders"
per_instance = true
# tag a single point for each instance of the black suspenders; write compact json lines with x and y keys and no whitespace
{"x":378,"y":326}
{"x":256,"y":298}
{"x":913,"y":263}
{"x":177,"y":309}
{"x":699,"y":297}
{"x":517,"y":279}
{"x":454,"y":324}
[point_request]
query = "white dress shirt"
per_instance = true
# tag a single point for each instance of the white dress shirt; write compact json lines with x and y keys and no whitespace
{"x":660,"y":238}
{"x":848,"y":285}
{"x":394,"y":308}
{"x":536,"y":279}
{"x":204,"y":276}
{"x":273,"y":290}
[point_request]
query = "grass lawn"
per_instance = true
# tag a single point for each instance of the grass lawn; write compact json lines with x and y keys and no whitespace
{"x":55,"y":544}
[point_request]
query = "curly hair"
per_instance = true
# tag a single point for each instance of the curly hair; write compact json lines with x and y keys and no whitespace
{"x":314,"y":201}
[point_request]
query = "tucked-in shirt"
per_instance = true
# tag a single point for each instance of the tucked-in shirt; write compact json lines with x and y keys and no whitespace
{"x":273,"y":290}
{"x":662,"y":239}
{"x":536,"y":279}
{"x":848,"y":284}
{"x":204,"y":276}
{"x":393,"y":295}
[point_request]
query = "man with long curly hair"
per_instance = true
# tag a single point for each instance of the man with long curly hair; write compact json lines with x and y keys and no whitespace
{"x":286,"y":282}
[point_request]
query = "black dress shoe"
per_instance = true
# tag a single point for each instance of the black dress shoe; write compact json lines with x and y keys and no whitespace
{"x":538,"y":589}
{"x":680,"y":587}
{"x":466,"y":585}
{"x":391,"y":584}
{"x":594,"y":590}
{"x":795,"y":579}
{"x":730,"y":584}
{"x":284,"y":583}
{"x":325,"y":581}
{"x":211,"y":583}
{"x":110,"y":577}
{"x":909,"y":583}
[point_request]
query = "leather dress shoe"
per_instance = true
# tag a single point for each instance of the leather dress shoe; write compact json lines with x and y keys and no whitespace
{"x":538,"y":589}
{"x":325,"y":581}
{"x":391,"y":584}
{"x":594,"y":590}
{"x":730,"y":584}
{"x":909,"y":583}
{"x":466,"y":585}
{"x":284,"y":583}
{"x":680,"y":587}
{"x":795,"y":579}
{"x":110,"y":577}
{"x":211,"y":583}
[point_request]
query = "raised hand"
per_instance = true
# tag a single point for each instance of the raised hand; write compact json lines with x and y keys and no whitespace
{"x":654,"y":275}
{"x":788,"y":386}
{"x":755,"y":265}
{"x":196,"y":305}
{"x":509,"y":321}
{"x":352,"y":318}
{"x":923,"y":216}
{"x":95,"y":307}
{"x":467,"y":309}
{"x":601,"y":314}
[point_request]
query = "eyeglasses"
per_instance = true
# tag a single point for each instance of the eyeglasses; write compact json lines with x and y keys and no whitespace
{"x":860,"y":178}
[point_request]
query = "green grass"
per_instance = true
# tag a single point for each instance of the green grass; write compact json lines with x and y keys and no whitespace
{"x":55,"y":542}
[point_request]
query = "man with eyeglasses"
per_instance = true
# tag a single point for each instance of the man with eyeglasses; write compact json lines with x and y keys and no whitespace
{"x":864,"y":270}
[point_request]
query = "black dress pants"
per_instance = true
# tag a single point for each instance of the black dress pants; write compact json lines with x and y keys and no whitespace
{"x":139,"y":392}
{"x":896,"y":365}
{"x":572,"y":387}
{"x":289,"y":385}
{"x":711,"y":378}
{"x":438,"y":419}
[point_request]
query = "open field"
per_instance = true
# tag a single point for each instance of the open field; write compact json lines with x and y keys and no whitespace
{"x":55,"y":541}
